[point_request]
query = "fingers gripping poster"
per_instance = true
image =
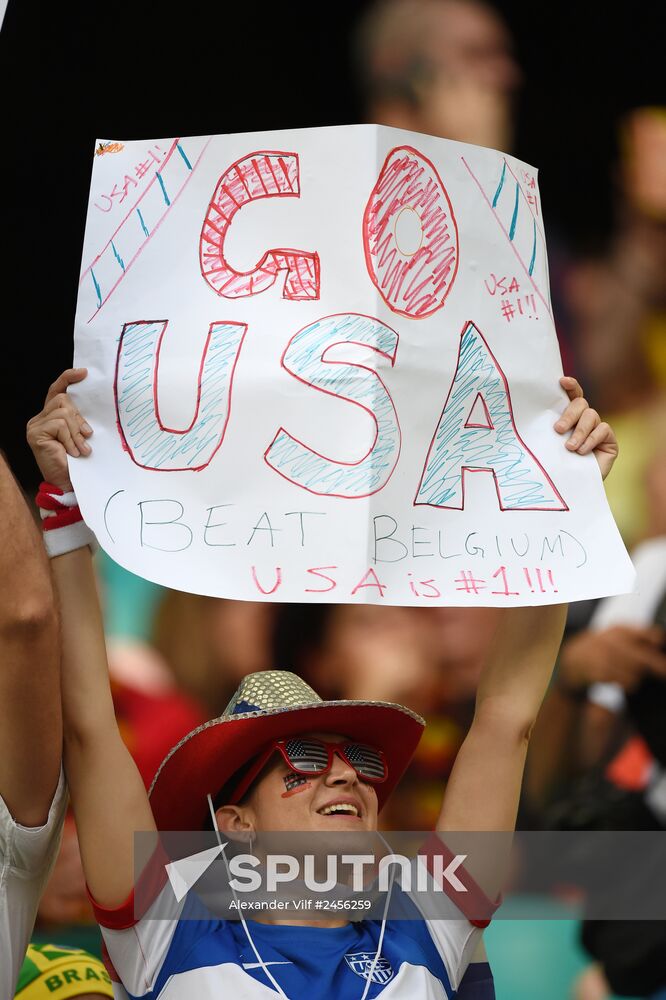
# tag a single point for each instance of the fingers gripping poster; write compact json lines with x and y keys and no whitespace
{"x":323,"y":367}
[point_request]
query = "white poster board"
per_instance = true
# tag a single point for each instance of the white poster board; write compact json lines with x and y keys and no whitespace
{"x":323,"y":367}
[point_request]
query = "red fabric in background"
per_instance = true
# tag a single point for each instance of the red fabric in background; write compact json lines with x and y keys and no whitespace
{"x":151,"y":723}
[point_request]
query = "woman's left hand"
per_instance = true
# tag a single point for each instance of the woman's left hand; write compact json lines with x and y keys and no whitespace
{"x":588,"y":432}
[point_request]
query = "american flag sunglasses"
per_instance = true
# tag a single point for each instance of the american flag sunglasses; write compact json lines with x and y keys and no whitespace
{"x":313,"y":757}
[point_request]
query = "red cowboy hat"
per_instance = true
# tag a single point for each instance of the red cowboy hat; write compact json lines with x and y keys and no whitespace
{"x":268,"y":705}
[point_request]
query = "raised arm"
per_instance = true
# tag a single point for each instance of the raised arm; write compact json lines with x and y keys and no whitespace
{"x":30,"y":720}
{"x":108,"y":795}
{"x":484,"y":788}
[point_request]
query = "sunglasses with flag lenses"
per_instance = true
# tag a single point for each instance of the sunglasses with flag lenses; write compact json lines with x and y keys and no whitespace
{"x":312,"y":757}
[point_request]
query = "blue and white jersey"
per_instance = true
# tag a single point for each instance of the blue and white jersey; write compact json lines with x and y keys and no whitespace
{"x":194,"y":956}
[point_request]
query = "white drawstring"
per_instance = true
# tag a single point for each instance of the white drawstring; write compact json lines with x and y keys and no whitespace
{"x":269,"y":975}
{"x":383,"y":927}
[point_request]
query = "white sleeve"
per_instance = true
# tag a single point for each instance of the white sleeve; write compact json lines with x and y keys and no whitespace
{"x":138,"y":949}
{"x":139,"y":934}
{"x":608,"y":695}
{"x":455,"y":936}
{"x":456,"y":941}
{"x":636,"y":608}
{"x":29,"y":850}
{"x":27,"y":855}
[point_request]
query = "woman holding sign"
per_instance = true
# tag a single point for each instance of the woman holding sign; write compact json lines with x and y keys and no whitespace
{"x":281,"y":759}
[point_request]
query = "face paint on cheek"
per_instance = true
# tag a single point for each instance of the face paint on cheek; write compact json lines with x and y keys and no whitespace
{"x":295,"y":783}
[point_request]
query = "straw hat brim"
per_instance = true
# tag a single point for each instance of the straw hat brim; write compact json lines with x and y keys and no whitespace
{"x":205,"y":759}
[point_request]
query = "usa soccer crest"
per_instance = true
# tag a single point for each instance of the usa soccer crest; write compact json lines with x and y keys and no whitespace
{"x":360,"y":962}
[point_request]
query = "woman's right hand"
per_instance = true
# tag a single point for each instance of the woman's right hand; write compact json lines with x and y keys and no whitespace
{"x":59,"y":430}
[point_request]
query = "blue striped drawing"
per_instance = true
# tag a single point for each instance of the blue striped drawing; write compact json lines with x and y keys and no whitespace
{"x":142,"y":221}
{"x":477,"y":432}
{"x":511,"y":209}
{"x":148,"y":441}
{"x":305,"y":358}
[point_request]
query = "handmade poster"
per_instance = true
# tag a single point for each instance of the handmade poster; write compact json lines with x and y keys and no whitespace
{"x":323,"y":367}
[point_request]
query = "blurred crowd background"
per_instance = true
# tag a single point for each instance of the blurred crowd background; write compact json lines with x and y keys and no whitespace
{"x":578,"y":94}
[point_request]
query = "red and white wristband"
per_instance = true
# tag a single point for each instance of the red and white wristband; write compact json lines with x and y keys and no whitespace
{"x":62,"y":522}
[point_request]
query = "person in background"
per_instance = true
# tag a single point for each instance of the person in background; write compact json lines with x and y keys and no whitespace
{"x":617,"y":306}
{"x":32,"y":788}
{"x":210,"y":644}
{"x":628,"y":791}
{"x":617,"y":303}
{"x":66,"y":973}
{"x":598,"y":754}
{"x":447,"y":68}
{"x":583,"y":723}
{"x":455,"y":642}
{"x":443,"y":67}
